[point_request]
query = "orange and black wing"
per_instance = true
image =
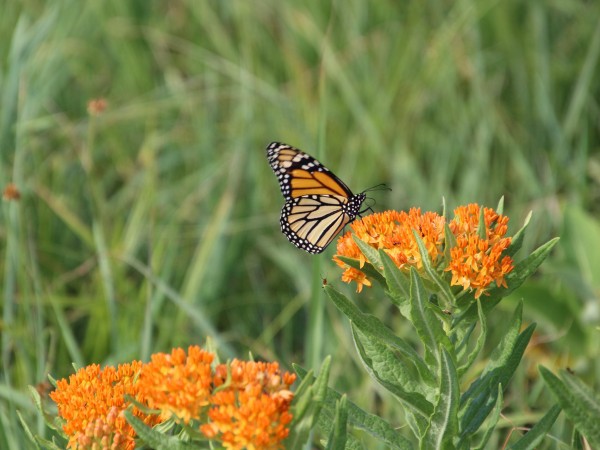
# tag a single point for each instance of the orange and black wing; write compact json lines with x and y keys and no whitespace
{"x":300,"y":174}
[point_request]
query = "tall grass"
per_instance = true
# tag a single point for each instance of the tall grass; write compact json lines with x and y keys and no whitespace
{"x":155,"y":224}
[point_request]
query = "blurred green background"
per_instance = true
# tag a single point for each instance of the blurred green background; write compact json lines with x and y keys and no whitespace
{"x":156,"y":223}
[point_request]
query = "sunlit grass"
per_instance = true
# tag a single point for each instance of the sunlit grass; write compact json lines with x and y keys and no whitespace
{"x":155,"y":223}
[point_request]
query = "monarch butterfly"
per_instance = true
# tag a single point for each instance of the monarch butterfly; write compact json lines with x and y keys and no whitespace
{"x":318,"y":205}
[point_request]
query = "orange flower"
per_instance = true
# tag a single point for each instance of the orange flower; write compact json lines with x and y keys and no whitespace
{"x":11,"y":192}
{"x":392,"y":231}
{"x":92,"y":401}
{"x":476,"y":262}
{"x":96,"y":106}
{"x":177,"y":384}
{"x":250,"y":405}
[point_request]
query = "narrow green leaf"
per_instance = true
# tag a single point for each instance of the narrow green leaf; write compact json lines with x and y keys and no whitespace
{"x":384,"y":375}
{"x":481,"y":228}
{"x":517,"y":240}
{"x":579,"y":402}
{"x":533,"y":437}
{"x":449,"y":242}
{"x":500,"y":207}
{"x":371,"y":253}
{"x":477,"y":403}
{"x":491,"y":424}
{"x":499,"y":355}
{"x":391,"y":365}
{"x":338,"y":436}
{"x":525,"y":268}
{"x":372,"y":326}
{"x":480,"y":397}
{"x":154,"y":438}
{"x":397,"y":282}
{"x":427,"y":325}
{"x":360,"y":419}
{"x":442,"y":285}
{"x":443,"y":428}
{"x":308,"y":402}
{"x":367,"y":268}
{"x":472,"y":355}
{"x":28,"y":432}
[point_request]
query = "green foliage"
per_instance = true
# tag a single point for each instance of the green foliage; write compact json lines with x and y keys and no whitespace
{"x":154,"y":224}
{"x":579,"y":402}
{"x":428,"y":386}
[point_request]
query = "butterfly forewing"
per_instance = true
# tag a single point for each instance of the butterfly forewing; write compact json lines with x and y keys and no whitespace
{"x":300,"y":174}
{"x":318,"y":204}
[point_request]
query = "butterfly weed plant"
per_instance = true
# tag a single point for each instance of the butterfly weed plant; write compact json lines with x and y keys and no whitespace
{"x":444,"y":277}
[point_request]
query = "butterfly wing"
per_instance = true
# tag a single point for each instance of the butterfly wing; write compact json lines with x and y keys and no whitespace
{"x":311,"y":222}
{"x":318,"y":204}
{"x":300,"y":174}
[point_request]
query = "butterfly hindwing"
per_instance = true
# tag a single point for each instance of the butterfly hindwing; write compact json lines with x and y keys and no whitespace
{"x":318,"y":204}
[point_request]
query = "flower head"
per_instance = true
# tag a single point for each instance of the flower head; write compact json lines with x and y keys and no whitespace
{"x":91,"y":403}
{"x":96,"y":106}
{"x":11,"y":192}
{"x":393,"y":232}
{"x":250,"y":405}
{"x":178,"y":384}
{"x":477,"y":261}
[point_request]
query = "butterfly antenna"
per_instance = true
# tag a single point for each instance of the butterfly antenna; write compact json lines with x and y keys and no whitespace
{"x":378,"y":187}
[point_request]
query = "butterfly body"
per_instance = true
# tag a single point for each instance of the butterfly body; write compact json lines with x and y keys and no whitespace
{"x":318,"y":205}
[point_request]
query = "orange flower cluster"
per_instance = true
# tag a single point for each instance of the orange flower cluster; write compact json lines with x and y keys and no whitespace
{"x":96,"y":106}
{"x":475,"y":262}
{"x":250,"y":405}
{"x":11,"y":192}
{"x":392,"y":231}
{"x":177,"y":384}
{"x":242,"y":405}
{"x":91,"y":403}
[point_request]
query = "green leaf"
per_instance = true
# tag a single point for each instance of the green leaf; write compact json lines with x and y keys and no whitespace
{"x":371,"y":253}
{"x":28,"y":432}
{"x":427,"y":325}
{"x":360,"y":419}
{"x":481,"y":228}
{"x":493,"y":420}
{"x":367,"y":268}
{"x":500,"y":354}
{"x":155,"y":439}
{"x":391,"y":365}
{"x":450,"y":242}
{"x":500,"y":207}
{"x":472,"y":354}
{"x":579,"y":402}
{"x":397,"y":282}
{"x":386,"y":369}
{"x":525,"y":268}
{"x":338,"y":436}
{"x":517,"y":240}
{"x":442,"y":285}
{"x":443,"y":426}
{"x":480,"y":397}
{"x":372,"y":326}
{"x":533,"y":437}
{"x":308,"y":402}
